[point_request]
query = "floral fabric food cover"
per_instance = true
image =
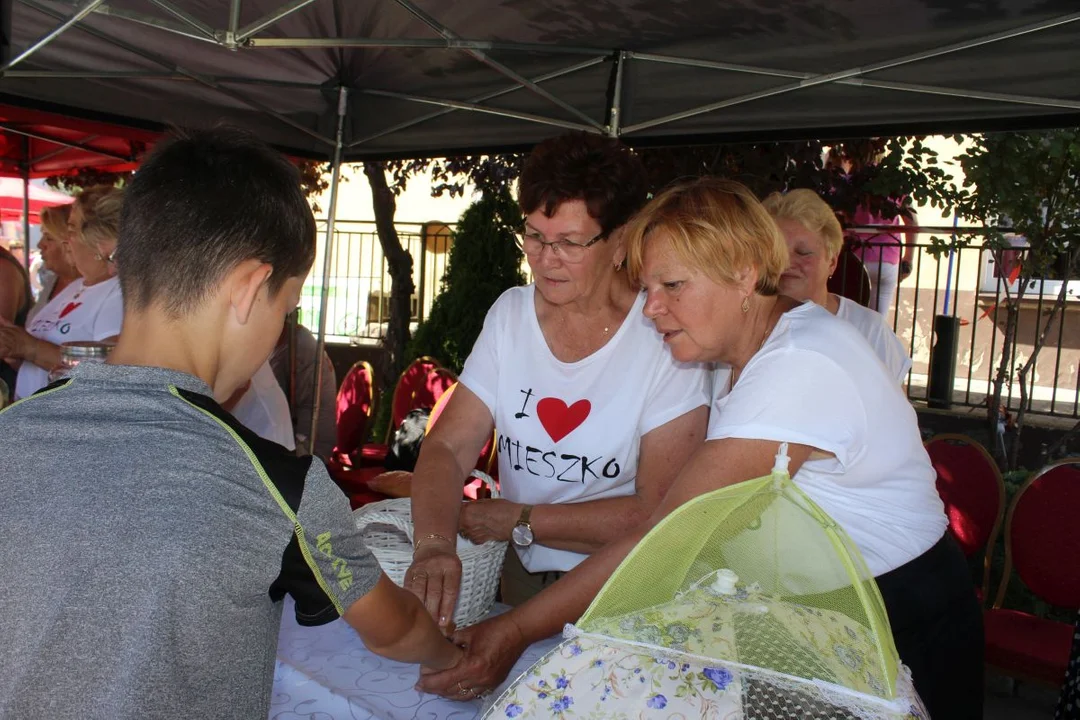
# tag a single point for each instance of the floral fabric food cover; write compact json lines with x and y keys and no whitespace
{"x":748,"y":602}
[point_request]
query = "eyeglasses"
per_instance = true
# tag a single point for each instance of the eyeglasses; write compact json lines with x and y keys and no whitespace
{"x":532,"y":243}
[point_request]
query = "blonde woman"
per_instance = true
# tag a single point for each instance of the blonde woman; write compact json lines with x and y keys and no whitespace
{"x":55,"y":256}
{"x":90,"y":308}
{"x":709,"y":258}
{"x":814,"y":240}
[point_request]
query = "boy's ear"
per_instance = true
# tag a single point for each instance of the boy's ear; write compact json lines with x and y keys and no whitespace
{"x":244,"y":282}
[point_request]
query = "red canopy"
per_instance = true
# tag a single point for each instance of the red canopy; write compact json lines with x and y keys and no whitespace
{"x":11,"y":200}
{"x":41,"y":144}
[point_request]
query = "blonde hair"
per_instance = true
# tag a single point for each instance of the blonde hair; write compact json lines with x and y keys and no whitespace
{"x":100,"y":205}
{"x":714,"y":225}
{"x":808,"y":209}
{"x":54,"y":221}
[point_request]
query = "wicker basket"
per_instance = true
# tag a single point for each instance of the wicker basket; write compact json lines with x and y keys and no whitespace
{"x":387,"y":530}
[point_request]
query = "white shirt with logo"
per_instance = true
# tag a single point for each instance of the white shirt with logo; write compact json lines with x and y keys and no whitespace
{"x":871,"y":325}
{"x":571,"y":432}
{"x":77,"y":313}
{"x":264,"y":409}
{"x":818,"y":383}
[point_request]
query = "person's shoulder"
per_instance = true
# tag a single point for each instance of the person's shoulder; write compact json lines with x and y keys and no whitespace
{"x":811,"y":328}
{"x":514,"y":302}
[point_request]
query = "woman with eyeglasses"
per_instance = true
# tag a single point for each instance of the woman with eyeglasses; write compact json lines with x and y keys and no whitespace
{"x":594,"y":417}
{"x":90,"y":308}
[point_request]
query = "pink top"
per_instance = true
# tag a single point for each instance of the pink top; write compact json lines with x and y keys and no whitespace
{"x":882,"y":247}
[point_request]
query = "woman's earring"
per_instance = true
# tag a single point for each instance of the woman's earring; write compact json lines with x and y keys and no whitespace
{"x":746,"y":304}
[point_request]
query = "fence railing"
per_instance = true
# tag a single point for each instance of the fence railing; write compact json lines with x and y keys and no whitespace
{"x":970,"y":285}
{"x":966,"y":284}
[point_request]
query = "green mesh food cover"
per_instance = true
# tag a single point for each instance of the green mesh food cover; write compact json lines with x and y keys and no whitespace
{"x":746,"y":602}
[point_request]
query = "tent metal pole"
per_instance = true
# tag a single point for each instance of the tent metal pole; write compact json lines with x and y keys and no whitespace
{"x":497,"y":66}
{"x":146,"y":75}
{"x":157,"y":23}
{"x":328,"y":252}
{"x":864,"y":82}
{"x":209,"y":82}
{"x":444,"y":44}
{"x":826,"y":78}
{"x":66,"y":143}
{"x":266,"y":21}
{"x":614,"y":116}
{"x":186,"y":18}
{"x":234,"y":23}
{"x":26,"y":202}
{"x":52,"y":34}
{"x":477,"y":99}
{"x":59,"y":151}
{"x":461,"y":105}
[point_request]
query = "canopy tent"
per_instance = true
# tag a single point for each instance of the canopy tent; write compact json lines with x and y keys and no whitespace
{"x":425,"y":77}
{"x":371,"y":79}
{"x":35,"y":144}
{"x":12,"y":197}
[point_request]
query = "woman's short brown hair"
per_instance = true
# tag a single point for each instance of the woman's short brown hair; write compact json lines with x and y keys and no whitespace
{"x":716,"y":226}
{"x":54,"y":221}
{"x":808,"y":209}
{"x":599,"y":170}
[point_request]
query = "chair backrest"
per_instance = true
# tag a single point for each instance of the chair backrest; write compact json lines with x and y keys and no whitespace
{"x":1042,"y":535}
{"x":971,"y":486}
{"x":850,"y":279}
{"x":355,"y":404}
{"x":411,"y":392}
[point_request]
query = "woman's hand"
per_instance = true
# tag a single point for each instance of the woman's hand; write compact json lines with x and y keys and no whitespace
{"x":484,"y":520}
{"x":15,"y":342}
{"x":491,"y":649}
{"x":435,"y":578}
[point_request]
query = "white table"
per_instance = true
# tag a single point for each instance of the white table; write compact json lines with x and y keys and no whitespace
{"x":326,"y":673}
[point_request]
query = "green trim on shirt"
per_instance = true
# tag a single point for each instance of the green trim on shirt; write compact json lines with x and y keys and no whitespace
{"x":272,"y":489}
{"x":40,"y":394}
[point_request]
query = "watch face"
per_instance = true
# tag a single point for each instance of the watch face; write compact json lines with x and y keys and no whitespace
{"x":522,"y":535}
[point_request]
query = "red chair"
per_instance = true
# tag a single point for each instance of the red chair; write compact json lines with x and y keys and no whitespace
{"x":1042,"y":542}
{"x":421,"y":384}
{"x":487,"y":455}
{"x":971,"y":486}
{"x":355,"y":406}
{"x":850,"y":279}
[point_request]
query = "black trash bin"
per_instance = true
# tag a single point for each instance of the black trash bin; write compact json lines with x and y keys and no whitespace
{"x":943,"y":361}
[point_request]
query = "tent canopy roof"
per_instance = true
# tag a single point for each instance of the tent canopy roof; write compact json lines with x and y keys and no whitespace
{"x":424,"y":77}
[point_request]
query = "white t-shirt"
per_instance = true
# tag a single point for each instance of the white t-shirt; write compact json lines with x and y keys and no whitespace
{"x":570,"y":432}
{"x":264,"y":409}
{"x":881,"y":338}
{"x":77,"y":313}
{"x":816,"y":382}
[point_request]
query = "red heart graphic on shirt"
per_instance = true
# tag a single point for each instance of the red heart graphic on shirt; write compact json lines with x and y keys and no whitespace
{"x":69,"y":308}
{"x":560,"y":420}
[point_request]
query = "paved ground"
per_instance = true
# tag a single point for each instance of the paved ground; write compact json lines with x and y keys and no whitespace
{"x":1026,"y":702}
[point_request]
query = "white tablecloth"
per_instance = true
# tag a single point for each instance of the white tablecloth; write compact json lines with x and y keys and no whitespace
{"x":326,"y":673}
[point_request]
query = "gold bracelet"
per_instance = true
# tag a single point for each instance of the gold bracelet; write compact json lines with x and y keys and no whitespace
{"x":432,"y":536}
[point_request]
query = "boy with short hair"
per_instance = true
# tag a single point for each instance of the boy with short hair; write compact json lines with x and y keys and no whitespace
{"x":149,"y":537}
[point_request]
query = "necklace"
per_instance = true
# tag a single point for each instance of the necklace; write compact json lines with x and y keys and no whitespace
{"x":770,"y":323}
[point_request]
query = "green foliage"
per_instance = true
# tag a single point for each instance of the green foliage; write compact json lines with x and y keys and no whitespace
{"x":1032,"y":182}
{"x":76,"y":181}
{"x":484,"y":261}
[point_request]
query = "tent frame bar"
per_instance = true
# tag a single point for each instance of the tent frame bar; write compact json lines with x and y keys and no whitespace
{"x":70,"y":144}
{"x":463,"y":105}
{"x":479,"y":99}
{"x":244,"y":33}
{"x":864,"y":82}
{"x":826,"y":78}
{"x":151,"y":75}
{"x":422,"y":43}
{"x":498,"y":67}
{"x":56,"y":32}
{"x":207,"y":81}
{"x":186,"y":18}
{"x":328,"y":251}
{"x":615,"y":111}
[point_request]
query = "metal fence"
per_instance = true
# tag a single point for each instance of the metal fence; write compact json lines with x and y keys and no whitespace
{"x":358,"y":305}
{"x":969,"y":285}
{"x":965,"y":284}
